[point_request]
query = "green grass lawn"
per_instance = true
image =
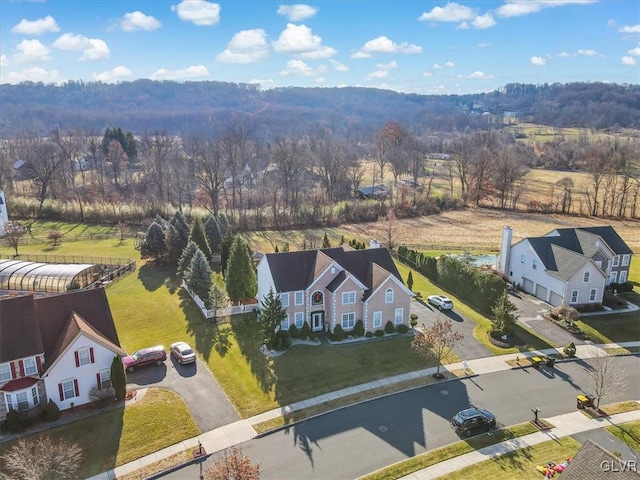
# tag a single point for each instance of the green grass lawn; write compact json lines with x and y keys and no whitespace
{"x":159,"y":419}
{"x":623,"y":327}
{"x":628,"y":433}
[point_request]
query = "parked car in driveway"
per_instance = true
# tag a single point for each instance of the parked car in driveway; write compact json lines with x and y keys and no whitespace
{"x":182,"y":352}
{"x":146,"y":356}
{"x":473,"y":421}
{"x":440,"y":301}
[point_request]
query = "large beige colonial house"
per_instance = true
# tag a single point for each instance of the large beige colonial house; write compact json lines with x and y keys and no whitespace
{"x":336,"y":286}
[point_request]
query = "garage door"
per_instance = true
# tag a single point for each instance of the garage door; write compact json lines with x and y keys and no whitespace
{"x":555,"y":299}
{"x":527,"y":285}
{"x":541,"y":292}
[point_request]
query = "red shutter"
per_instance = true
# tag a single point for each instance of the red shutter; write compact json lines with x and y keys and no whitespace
{"x":60,"y":392}
{"x":21,"y":364}
{"x":39,"y":364}
{"x":99,"y":381}
{"x":75,"y":385}
{"x":14,"y":370}
{"x":91,"y":355}
{"x":77,"y":358}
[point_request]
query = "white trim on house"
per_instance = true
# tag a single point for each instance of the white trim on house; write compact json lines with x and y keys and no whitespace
{"x":333,"y":264}
{"x":396,"y":281}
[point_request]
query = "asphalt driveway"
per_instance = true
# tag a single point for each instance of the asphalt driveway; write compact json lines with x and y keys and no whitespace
{"x":205,"y":398}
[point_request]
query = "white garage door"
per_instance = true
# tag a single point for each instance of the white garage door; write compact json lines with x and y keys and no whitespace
{"x":541,"y":292}
{"x":527,"y":285}
{"x":555,"y":299}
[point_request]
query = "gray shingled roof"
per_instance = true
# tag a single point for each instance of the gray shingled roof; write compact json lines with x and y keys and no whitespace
{"x":587,"y":465}
{"x":612,"y":238}
{"x":19,"y":329}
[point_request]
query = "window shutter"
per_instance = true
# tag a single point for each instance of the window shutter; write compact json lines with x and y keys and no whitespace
{"x":91,"y":355}
{"x":61,"y":392}
{"x":99,"y":381}
{"x":77,"y":358}
{"x":39,"y":363}
{"x":75,"y":386}
{"x":21,"y":364}
{"x":14,"y":370}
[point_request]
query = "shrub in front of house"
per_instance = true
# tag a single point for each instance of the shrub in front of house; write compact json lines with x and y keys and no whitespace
{"x":358,"y":330}
{"x":13,"y":422}
{"x":282,"y":341}
{"x":369,"y":334}
{"x":389,"y":328}
{"x":402,"y":328}
{"x":305,"y":331}
{"x":293,"y":331}
{"x":51,"y":412}
{"x":338,"y":334}
{"x":414,"y":319}
{"x":379,"y":333}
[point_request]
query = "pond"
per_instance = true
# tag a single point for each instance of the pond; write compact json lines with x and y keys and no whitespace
{"x":477,"y":260}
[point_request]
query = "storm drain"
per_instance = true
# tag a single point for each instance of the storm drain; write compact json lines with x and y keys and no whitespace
{"x":444,"y":392}
{"x":383,"y":428}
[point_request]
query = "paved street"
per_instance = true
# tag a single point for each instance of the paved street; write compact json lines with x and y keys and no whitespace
{"x":362,"y":438}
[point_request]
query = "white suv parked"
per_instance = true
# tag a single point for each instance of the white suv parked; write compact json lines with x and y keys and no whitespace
{"x":440,"y":301}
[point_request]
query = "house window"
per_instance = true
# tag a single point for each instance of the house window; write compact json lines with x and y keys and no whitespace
{"x":30,"y":367}
{"x":284,"y":324}
{"x":22,"y":399}
{"x":592,"y":294}
{"x":348,"y":298}
{"x":83,"y":357}
{"x":348,"y":321}
{"x":598,"y":263}
{"x":586,"y":277}
{"x":299,"y":298}
{"x":523,"y":257}
{"x":316,"y":298}
{"x":67,"y":389}
{"x":388,"y":296}
{"x":284,"y":299}
{"x":397,"y":318}
{"x":34,"y":396}
{"x":534,"y":264}
{"x":377,"y":319}
{"x":105,"y":378}
{"x":614,"y":276}
{"x":616,"y":260}
{"x":625,"y":260}
{"x":5,"y":372}
{"x":299,"y":319}
{"x":574,"y":296}
{"x":623,"y":276}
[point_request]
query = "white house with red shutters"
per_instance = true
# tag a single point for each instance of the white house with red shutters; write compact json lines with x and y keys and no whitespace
{"x":55,"y":348}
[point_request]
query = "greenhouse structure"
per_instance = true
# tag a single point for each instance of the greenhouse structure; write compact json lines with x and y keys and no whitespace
{"x":47,"y":277}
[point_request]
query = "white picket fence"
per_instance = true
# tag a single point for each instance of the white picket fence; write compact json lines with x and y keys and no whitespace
{"x":221,"y":312}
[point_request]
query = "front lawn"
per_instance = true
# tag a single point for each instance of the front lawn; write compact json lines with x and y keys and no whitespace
{"x":612,"y":328}
{"x":628,"y":433}
{"x":158,"y":420}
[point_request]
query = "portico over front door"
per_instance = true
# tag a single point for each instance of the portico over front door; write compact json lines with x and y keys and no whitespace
{"x":317,"y":321}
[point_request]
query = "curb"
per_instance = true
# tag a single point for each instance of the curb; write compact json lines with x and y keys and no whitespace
{"x":180,"y":466}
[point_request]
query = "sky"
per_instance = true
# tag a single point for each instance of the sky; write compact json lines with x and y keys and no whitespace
{"x":426,"y":47}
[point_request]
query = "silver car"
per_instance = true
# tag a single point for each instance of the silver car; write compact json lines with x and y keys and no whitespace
{"x":182,"y":352}
{"x":440,"y":301}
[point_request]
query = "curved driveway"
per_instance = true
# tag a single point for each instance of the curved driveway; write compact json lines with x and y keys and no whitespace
{"x":205,"y":398}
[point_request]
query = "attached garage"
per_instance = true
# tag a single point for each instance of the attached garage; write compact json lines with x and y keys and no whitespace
{"x":527,"y":285}
{"x":541,"y":292}
{"x":555,"y":299}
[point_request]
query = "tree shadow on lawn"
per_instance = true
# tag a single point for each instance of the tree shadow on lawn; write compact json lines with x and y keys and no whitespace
{"x":248,"y":334}
{"x":154,"y":275}
{"x":206,"y":333}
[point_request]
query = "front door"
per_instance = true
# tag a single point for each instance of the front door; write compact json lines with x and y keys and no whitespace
{"x":316,"y":321}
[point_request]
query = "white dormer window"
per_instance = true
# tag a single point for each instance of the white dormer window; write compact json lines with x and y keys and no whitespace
{"x":625,"y":260}
{"x":616,"y":260}
{"x":284,"y":299}
{"x":299,"y":298}
{"x":5,"y":372}
{"x":586,"y":276}
{"x":348,"y":298}
{"x":333,"y":270}
{"x":388,"y":296}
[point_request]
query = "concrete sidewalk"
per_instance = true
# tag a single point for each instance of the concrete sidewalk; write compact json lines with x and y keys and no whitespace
{"x":564,"y":425}
{"x":242,"y":430}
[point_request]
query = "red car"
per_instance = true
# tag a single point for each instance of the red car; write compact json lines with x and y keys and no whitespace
{"x":147,"y":356}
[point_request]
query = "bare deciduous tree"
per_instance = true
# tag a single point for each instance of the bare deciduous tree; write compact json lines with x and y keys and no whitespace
{"x":233,"y":465}
{"x":436,"y":341}
{"x":604,"y":374}
{"x":14,"y":231}
{"x":42,"y":459}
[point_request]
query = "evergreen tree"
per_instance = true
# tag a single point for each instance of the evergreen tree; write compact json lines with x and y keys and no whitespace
{"x":217,"y":299}
{"x":341,"y":240}
{"x":223,"y":222}
{"x":285,"y":248}
{"x":153,"y":244}
{"x":213,"y":234}
{"x":180,"y":224}
{"x":198,"y":236}
{"x":275,"y":250}
{"x":161,"y":221}
{"x":174,"y":246}
{"x":224,"y":253}
{"x":271,"y":315}
{"x":504,"y":319}
{"x":240,"y":278}
{"x":132,"y":147}
{"x":410,"y":281}
{"x":198,"y":276}
{"x":185,"y":258}
{"x":118,"y":378}
{"x":325,"y":241}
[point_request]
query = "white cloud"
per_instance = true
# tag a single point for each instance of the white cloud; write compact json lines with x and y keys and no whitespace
{"x":517,"y":8}
{"x":383,"y":69}
{"x":319,"y":80}
{"x":113,"y":75}
{"x":36,"y":27}
{"x":246,"y":46}
{"x":427,"y":74}
{"x":299,"y":41}
{"x":587,"y":53}
{"x":629,"y":61}
{"x":437,"y":66}
{"x":31,"y":74}
{"x":195,"y":71}
{"x":298,"y":68}
{"x":564,"y":54}
{"x":451,"y":12}
{"x":449,"y":64}
{"x":383,"y":44}
{"x":92,"y":48}
{"x":3,"y":61}
{"x":631,"y":28}
{"x":484,"y":45}
{"x":132,"y":21}
{"x":31,"y":51}
{"x":479,"y":74}
{"x":197,"y":12}
{"x":264,"y":84}
{"x":482,"y":22}
{"x":337,"y":66}
{"x":635,"y":52}
{"x":297,"y":12}
{"x":538,"y":61}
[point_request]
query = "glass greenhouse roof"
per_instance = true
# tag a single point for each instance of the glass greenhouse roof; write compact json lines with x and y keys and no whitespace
{"x":46,"y":277}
